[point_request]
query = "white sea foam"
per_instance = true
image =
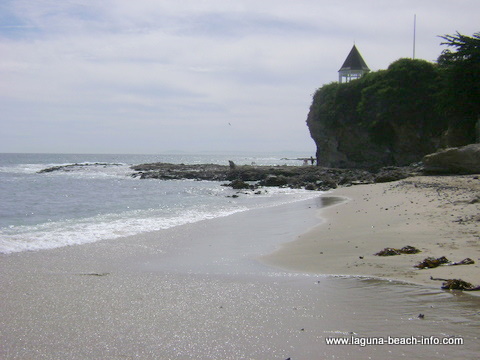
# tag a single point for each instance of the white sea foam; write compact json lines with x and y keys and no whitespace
{"x":56,"y":234}
{"x":22,"y":168}
{"x":79,"y":170}
{"x":75,"y":232}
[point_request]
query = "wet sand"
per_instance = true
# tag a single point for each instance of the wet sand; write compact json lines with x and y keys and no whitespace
{"x":199,"y":292}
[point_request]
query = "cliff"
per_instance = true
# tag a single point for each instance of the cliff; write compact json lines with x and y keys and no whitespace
{"x":388,"y":117}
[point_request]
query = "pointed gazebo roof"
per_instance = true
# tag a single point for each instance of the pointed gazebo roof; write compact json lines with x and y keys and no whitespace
{"x":354,"y":61}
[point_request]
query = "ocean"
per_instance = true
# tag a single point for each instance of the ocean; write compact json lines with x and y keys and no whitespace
{"x":100,"y":199}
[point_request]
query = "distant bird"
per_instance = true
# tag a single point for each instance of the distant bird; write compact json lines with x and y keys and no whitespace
{"x":229,"y":124}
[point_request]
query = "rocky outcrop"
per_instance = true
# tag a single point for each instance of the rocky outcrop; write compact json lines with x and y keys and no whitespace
{"x":386,"y":118}
{"x":345,"y":144}
{"x":461,"y":160}
{"x":251,"y":177}
{"x":349,"y":144}
{"x":76,"y":166}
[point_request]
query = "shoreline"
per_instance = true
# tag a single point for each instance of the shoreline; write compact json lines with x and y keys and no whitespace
{"x":204,"y":246}
{"x":198,"y":291}
{"x":436,"y":214}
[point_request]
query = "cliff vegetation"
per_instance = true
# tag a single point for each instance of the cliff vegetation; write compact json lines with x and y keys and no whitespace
{"x":396,"y":116}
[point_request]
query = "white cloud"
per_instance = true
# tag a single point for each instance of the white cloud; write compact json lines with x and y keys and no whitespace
{"x":181,"y":70}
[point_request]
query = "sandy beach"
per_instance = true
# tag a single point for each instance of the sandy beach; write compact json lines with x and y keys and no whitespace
{"x":199,"y":291}
{"x":439,"y":215}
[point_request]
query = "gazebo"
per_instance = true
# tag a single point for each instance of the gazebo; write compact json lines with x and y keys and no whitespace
{"x":353,"y":68}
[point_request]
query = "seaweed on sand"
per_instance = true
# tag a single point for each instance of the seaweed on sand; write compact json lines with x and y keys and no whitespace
{"x":391,"y":251}
{"x":430,"y":262}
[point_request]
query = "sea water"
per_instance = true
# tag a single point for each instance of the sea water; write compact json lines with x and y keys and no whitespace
{"x":99,"y":199}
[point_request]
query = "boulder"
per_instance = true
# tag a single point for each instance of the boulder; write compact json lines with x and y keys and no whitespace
{"x":388,"y":174}
{"x":461,"y":160}
{"x":240,"y":184}
{"x":273,"y":180}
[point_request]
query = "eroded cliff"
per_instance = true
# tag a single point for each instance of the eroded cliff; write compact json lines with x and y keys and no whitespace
{"x":388,"y":117}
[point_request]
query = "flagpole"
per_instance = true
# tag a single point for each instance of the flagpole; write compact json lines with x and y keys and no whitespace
{"x":414,"y":32}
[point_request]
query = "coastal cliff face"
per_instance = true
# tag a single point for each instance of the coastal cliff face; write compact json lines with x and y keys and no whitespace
{"x":347,"y":144}
{"x":389,"y":117}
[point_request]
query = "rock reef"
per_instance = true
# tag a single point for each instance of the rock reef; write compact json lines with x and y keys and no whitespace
{"x":76,"y":166}
{"x":248,"y":176}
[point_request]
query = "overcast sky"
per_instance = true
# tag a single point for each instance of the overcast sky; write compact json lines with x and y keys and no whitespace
{"x":149,"y":76}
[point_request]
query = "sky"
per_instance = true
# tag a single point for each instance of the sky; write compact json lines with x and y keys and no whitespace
{"x":155,"y":76}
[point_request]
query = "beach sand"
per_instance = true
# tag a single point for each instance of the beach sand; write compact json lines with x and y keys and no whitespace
{"x":439,"y":215}
{"x":199,"y":292}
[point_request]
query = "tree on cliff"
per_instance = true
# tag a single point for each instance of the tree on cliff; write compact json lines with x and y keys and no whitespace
{"x":460,"y":97}
{"x":403,"y":96}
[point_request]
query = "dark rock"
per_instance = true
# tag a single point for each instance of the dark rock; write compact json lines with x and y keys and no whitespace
{"x":327,"y":184}
{"x":76,"y":166}
{"x":273,"y":180}
{"x":391,"y":174}
{"x":239,"y":184}
{"x":299,"y":177}
{"x":461,"y":160}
